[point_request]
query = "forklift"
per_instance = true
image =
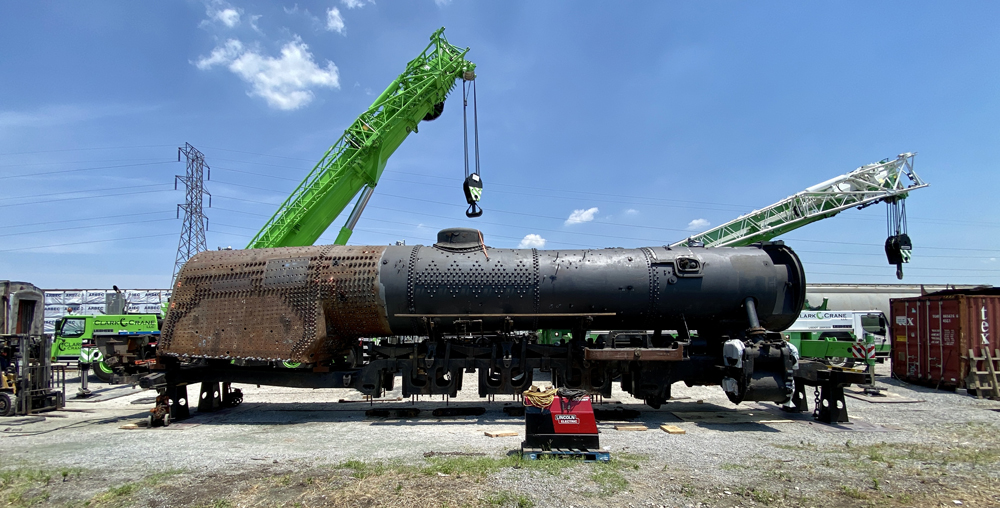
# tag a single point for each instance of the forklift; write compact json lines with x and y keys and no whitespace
{"x":26,"y":373}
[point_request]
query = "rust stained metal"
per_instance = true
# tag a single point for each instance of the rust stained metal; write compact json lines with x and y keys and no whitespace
{"x":297,"y":304}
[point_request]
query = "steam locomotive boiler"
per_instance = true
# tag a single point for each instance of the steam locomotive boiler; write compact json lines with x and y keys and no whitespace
{"x":367,"y":316}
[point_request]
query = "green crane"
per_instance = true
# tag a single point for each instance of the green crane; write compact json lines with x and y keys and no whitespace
{"x":865,"y":186}
{"x":355,"y":162}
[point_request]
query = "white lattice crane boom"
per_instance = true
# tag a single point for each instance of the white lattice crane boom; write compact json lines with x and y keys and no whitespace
{"x":888,"y":180}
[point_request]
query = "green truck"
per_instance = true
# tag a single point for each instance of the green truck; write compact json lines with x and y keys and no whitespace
{"x":840,"y":336}
{"x":75,"y":335}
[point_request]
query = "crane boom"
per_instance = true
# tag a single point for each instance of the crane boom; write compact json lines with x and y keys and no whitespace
{"x":357,"y":159}
{"x":865,"y":186}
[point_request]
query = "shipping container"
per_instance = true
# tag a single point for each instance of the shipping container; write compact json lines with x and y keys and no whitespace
{"x":932,"y":335}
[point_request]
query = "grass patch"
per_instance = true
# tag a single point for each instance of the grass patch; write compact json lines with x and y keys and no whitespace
{"x":729,"y":466}
{"x":476,"y":466}
{"x":217,"y":503}
{"x":608,"y":478}
{"x":360,"y":469}
{"x":688,"y":489}
{"x":27,"y":487}
{"x":973,"y":454}
{"x":506,"y":499}
{"x":121,"y":493}
{"x":761,"y":496}
{"x":853,"y":492}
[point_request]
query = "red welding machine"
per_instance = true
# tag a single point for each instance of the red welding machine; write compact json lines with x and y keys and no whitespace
{"x":567,"y":423}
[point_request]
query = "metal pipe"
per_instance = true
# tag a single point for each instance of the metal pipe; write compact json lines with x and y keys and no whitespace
{"x":751,"y":313}
{"x":359,"y":207}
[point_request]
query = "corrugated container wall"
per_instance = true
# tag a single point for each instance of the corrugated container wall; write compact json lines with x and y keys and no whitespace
{"x":932,"y":335}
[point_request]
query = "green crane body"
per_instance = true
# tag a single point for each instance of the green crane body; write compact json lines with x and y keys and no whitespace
{"x":357,"y":159}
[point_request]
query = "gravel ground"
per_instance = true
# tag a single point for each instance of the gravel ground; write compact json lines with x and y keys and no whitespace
{"x":296,"y":446}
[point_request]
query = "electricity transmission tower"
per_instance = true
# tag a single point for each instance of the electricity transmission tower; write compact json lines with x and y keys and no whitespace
{"x":193,"y":231}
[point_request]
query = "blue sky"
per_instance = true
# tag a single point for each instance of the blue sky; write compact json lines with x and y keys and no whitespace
{"x":641,"y":117}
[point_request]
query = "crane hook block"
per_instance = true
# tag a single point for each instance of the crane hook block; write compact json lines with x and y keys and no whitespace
{"x":473,"y":188}
{"x":897,"y":249}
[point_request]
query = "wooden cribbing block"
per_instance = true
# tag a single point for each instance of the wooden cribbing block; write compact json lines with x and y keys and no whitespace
{"x":672,"y":429}
{"x":630,"y":427}
{"x":503,"y":433}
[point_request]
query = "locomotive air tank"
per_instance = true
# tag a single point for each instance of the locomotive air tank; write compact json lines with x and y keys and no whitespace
{"x":313,"y":304}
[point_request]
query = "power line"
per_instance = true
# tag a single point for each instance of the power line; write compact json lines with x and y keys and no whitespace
{"x":563,"y":219}
{"x":54,"y":163}
{"x":800,"y":251}
{"x":645,"y":202}
{"x":88,"y":197}
{"x":217,"y":223}
{"x":74,"y":228}
{"x":82,"y":190}
{"x":25,"y":224}
{"x":883,"y":275}
{"x":85,"y":149}
{"x":238,"y":211}
{"x":909,"y":267}
{"x":82,"y":243}
{"x":260,"y":154}
{"x":32,"y":175}
{"x":738,"y":207}
{"x":880,"y":245}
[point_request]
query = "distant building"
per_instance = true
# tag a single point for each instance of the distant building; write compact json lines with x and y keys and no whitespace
{"x":868,"y":296}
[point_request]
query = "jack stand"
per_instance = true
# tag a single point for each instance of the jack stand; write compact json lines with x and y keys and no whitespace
{"x":210,"y":398}
{"x":831,"y":406}
{"x":871,"y":389}
{"x":84,"y":391}
{"x":177,"y":397}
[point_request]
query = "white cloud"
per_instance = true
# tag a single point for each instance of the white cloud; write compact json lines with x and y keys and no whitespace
{"x":253,"y":23}
{"x":531,"y":241}
{"x":334,"y":21}
{"x":228,"y":17}
{"x":356,"y":4}
{"x":579,"y":216}
{"x":285,"y":83}
{"x":295,"y":10}
{"x":442,"y":3}
{"x":698,"y":224}
{"x":221,"y":55}
{"x":631,"y":211}
{"x":222,"y":12}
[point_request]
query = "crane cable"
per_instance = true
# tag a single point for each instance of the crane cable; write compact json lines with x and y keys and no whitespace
{"x":473,"y":184}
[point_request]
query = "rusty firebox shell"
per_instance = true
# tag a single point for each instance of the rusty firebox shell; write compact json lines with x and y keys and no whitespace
{"x":297,"y":304}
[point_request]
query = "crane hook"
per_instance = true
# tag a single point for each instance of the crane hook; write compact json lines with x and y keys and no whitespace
{"x":473,"y":187}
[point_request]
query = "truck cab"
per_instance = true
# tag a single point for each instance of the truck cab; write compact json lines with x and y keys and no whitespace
{"x":76,"y":336}
{"x":831,"y":334}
